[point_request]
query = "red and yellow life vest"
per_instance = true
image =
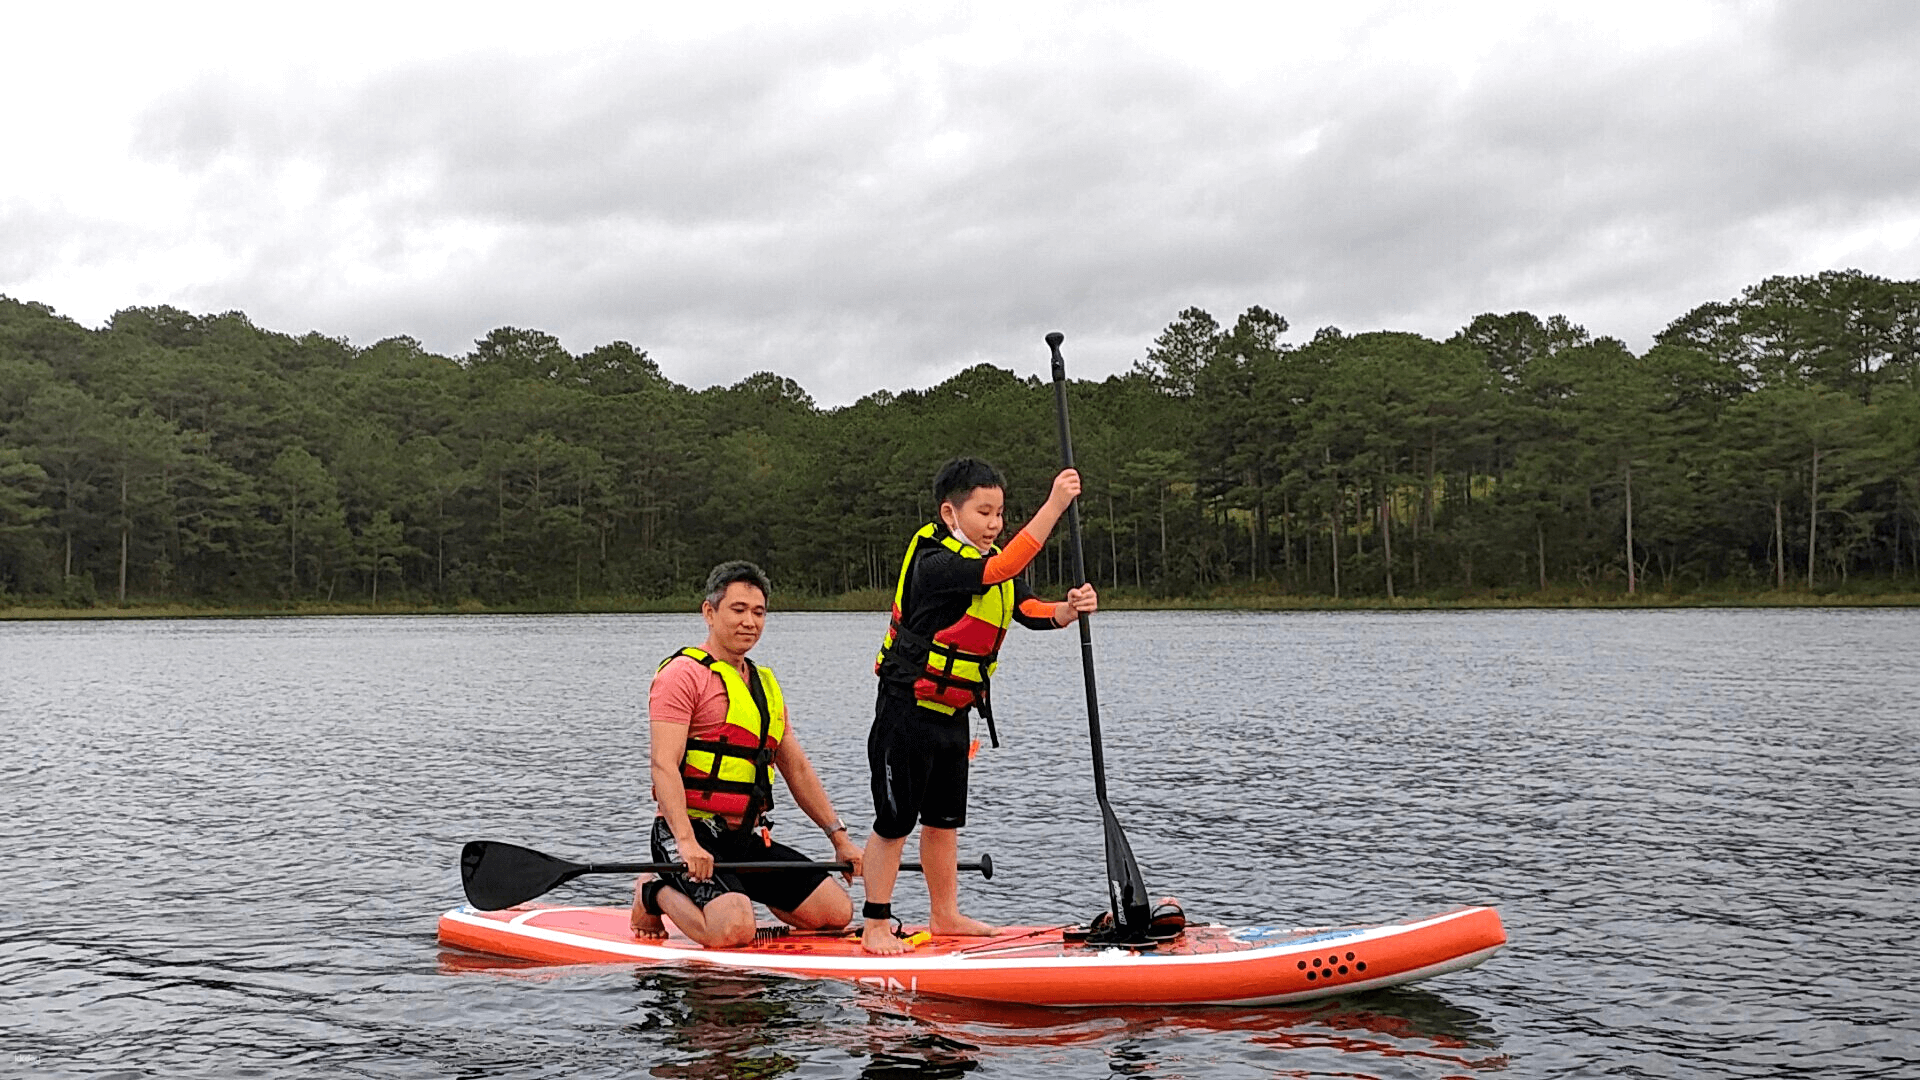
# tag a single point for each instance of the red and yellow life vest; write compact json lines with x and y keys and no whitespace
{"x":740,"y":785}
{"x":951,"y":670}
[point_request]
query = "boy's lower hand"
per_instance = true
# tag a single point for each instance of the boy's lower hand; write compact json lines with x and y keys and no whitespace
{"x":1066,"y":488}
{"x":1080,"y":601}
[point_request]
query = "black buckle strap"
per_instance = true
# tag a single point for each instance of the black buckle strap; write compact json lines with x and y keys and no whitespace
{"x":904,"y":659}
{"x":712,"y":783}
{"x":984,"y":699}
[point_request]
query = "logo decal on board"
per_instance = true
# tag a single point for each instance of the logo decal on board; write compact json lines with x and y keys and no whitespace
{"x":888,"y":982}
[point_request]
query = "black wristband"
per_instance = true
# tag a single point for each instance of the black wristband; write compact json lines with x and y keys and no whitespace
{"x":871,"y":910}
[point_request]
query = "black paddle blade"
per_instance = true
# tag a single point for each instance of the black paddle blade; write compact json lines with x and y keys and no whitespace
{"x":1126,"y":890}
{"x":498,"y":875}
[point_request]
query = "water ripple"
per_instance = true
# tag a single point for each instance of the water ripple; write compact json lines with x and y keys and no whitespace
{"x":230,"y":840}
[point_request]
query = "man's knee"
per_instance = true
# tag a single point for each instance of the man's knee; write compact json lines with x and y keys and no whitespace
{"x":729,"y":922}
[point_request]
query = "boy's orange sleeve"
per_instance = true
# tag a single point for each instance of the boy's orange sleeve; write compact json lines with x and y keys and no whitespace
{"x":1035,"y":608}
{"x":1012,"y":559}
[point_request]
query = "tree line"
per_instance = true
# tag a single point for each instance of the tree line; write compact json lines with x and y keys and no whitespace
{"x":1769,"y":441}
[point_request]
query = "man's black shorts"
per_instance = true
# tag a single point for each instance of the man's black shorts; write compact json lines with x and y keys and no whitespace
{"x":781,"y":890}
{"x":919,"y":763}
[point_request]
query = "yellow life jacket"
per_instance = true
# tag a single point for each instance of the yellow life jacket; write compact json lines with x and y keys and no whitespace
{"x":732,"y":775}
{"x":952,"y":669}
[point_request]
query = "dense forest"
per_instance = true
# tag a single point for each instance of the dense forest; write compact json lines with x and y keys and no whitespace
{"x":1771,"y":441}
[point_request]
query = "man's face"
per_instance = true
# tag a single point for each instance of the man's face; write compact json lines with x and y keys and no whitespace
{"x":980,"y":515}
{"x":737,"y":620}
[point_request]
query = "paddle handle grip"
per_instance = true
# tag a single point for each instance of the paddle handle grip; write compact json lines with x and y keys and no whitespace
{"x":983,"y":866}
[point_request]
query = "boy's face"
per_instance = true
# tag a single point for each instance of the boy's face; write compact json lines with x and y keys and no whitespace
{"x":980,"y":515}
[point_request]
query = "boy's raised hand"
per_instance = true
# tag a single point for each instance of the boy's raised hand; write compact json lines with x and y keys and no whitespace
{"x":1066,"y":488}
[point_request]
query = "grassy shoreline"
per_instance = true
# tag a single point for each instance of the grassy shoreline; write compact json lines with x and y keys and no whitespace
{"x":877,"y":601}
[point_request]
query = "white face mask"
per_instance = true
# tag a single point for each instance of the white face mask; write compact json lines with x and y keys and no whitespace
{"x":962,"y":537}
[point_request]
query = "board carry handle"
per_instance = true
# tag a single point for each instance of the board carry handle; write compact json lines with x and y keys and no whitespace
{"x":496,"y":874}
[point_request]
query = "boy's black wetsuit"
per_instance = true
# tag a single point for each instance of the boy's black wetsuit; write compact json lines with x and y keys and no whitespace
{"x":949,"y":618}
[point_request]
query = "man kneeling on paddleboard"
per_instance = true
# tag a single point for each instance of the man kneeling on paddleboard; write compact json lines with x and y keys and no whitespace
{"x":719,"y":727}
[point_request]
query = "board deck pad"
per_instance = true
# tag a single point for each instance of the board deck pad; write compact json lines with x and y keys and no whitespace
{"x":1252,"y":965}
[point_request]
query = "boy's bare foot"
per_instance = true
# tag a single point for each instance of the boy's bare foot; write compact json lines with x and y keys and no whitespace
{"x":877,"y":938}
{"x":645,"y":924}
{"x":961,"y":926}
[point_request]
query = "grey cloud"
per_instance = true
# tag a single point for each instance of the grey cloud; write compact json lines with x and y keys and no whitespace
{"x":1844,"y":36}
{"x":857,"y":209}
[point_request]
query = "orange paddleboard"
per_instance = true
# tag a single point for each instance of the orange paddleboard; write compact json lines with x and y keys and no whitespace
{"x":1032,"y":965}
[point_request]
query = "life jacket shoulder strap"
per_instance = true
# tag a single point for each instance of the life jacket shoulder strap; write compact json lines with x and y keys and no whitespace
{"x":698,"y":656}
{"x":756,"y":687}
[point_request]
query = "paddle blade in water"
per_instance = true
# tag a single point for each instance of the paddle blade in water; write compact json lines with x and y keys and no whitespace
{"x":1125,"y":888}
{"x":498,"y":875}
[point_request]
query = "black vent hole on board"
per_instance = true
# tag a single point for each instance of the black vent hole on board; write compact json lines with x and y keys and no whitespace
{"x":1333,"y":966}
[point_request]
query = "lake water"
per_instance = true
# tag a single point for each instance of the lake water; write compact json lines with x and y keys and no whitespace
{"x":226,"y":842}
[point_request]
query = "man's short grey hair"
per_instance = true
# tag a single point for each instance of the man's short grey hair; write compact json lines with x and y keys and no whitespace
{"x":738,"y":570}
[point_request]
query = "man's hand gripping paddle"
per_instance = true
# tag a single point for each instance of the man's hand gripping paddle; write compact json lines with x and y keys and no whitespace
{"x":1126,"y":892}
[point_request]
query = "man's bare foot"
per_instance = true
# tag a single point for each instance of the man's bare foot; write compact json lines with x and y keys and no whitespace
{"x":877,"y":938}
{"x":961,"y":926}
{"x":645,"y":924}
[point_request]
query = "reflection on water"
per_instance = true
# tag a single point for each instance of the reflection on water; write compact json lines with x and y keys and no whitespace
{"x":229,"y":840}
{"x":731,"y":1024}
{"x":722,"y":1025}
{"x":1407,"y":1022}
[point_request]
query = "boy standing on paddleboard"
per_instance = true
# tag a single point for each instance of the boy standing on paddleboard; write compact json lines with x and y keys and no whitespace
{"x":956,"y":597}
{"x":719,"y":727}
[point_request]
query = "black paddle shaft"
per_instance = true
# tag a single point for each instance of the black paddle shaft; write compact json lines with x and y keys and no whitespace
{"x":1126,"y":889}
{"x":1079,"y":567}
{"x":499,"y":875}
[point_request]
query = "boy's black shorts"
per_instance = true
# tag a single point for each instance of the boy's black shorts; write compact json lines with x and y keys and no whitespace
{"x":919,"y":762}
{"x":781,"y":890}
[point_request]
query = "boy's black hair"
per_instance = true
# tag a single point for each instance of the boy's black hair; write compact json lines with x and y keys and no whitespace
{"x":729,"y":572}
{"x":957,"y":479}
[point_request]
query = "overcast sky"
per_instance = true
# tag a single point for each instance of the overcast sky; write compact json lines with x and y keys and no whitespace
{"x":862,"y":199}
